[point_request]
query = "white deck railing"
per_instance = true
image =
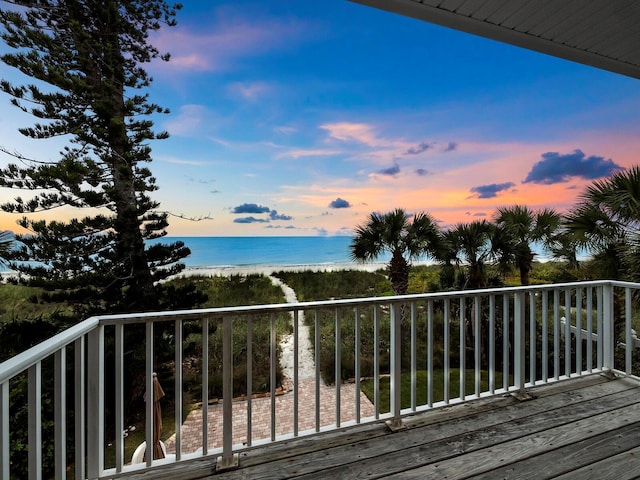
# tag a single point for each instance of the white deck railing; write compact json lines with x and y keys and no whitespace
{"x":504,"y":339}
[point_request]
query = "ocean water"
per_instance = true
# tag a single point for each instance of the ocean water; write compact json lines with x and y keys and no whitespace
{"x":257,"y":251}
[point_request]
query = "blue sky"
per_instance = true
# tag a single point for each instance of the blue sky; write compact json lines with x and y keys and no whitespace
{"x":301,"y":118}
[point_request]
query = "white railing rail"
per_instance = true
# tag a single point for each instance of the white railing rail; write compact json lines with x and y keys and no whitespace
{"x":454,"y":346}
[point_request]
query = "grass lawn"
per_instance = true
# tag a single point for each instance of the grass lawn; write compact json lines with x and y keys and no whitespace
{"x":421,"y":389}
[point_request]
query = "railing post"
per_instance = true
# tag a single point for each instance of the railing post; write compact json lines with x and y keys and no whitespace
{"x":607,"y":326}
{"x":95,"y":403}
{"x":228,"y":459}
{"x":60,"y":415}
{"x":4,"y":430}
{"x":519,"y":343}
{"x":35,"y":421}
{"x":396,"y":372}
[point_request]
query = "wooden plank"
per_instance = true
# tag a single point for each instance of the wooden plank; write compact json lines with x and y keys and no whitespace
{"x":567,"y":459}
{"x":488,"y":459}
{"x":478,"y":408}
{"x":624,"y":466}
{"x":421,"y":446}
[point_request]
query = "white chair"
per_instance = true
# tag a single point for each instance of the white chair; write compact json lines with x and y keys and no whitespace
{"x":138,"y":455}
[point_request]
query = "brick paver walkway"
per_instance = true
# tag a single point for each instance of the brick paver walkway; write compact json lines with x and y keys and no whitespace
{"x":261,"y":416}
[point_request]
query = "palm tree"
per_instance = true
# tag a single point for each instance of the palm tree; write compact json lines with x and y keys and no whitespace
{"x":607,"y":222}
{"x":394,"y":233}
{"x":473,"y":246}
{"x":526,"y":227}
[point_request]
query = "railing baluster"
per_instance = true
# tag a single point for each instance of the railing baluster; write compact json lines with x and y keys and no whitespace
{"x":519,"y":340}
{"x":60,"y":415}
{"x":249,"y":380}
{"x":357,"y":363}
{"x":590,"y":329}
{"x":627,"y":331}
{"x":578,"y":330}
{"x":545,"y":335}
{"x":447,"y":319}
{"x":567,"y":332}
{"x":414,"y":368}
{"x":178,"y":389}
{"x":272,"y":371}
{"x":338,"y":363}
{"x":556,"y":333}
{"x":317,"y":361}
{"x":119,"y":397}
{"x":462,"y":351}
{"x":430,"y":353}
{"x":477,"y":347}
{"x":492,"y":344}
{"x":376,"y":360}
{"x":296,"y":375}
{"x":505,"y":341}
{"x":79,"y":407}
{"x":149,"y":394}
{"x":205,"y":385}
{"x":532,"y":338}
{"x":35,"y":421}
{"x":5,"y":463}
{"x":599,"y":327}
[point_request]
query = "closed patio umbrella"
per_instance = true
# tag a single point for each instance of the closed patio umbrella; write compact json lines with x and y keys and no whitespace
{"x":158,"y":393}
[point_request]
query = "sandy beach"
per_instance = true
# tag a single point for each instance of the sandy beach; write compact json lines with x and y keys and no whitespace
{"x":269,"y":269}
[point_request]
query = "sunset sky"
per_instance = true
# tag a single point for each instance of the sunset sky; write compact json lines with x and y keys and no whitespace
{"x":293,"y":117}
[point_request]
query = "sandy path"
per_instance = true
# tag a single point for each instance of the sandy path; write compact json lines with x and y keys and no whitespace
{"x":306,"y":362}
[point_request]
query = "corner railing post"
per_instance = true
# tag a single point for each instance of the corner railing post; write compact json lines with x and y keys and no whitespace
{"x":519,"y":342}
{"x":228,"y":459}
{"x":95,"y":403}
{"x":608,"y":339}
{"x":4,"y":430}
{"x":396,"y":371}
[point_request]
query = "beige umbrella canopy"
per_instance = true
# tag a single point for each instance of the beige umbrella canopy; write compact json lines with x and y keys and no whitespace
{"x":158,"y":393}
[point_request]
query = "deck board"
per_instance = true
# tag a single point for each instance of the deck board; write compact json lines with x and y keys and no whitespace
{"x":579,"y":428}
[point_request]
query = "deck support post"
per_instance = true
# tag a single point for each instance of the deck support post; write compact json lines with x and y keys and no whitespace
{"x":608,"y":337}
{"x":396,"y":371}
{"x":95,"y":403}
{"x":228,"y":460}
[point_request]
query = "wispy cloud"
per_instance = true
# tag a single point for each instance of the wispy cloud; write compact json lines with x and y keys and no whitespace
{"x":451,"y":147}
{"x":421,"y":147}
{"x":228,"y":39}
{"x":296,"y":153}
{"x":250,"y":91}
{"x":189,"y":120}
{"x":559,"y":168}
{"x":355,"y":132}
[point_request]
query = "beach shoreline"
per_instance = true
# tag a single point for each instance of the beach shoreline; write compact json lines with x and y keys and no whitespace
{"x":230,"y":270}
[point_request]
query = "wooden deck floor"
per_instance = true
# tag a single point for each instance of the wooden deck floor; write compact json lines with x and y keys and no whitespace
{"x":584,"y":428}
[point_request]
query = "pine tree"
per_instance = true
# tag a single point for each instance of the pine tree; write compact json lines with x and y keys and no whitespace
{"x":85,"y":62}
